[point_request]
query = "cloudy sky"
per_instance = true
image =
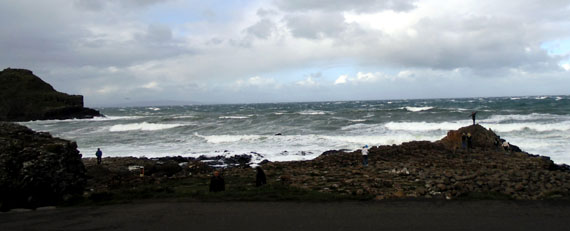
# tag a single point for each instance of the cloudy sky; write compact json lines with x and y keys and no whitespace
{"x":117,"y":52}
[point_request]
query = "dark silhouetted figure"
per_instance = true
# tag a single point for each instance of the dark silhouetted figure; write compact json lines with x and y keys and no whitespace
{"x":217,"y":183}
{"x":473,"y":114}
{"x":463,"y":141}
{"x":497,"y":143}
{"x":99,"y":154}
{"x":469,"y":141}
{"x":260,"y":178}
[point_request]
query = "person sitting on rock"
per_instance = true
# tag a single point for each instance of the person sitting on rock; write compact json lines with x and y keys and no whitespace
{"x":99,"y":154}
{"x":260,"y":178}
{"x":217,"y":183}
{"x":365,"y":155}
{"x":506,"y":146}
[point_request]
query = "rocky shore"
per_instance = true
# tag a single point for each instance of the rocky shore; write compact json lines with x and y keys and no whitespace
{"x":418,"y":169}
{"x":36,"y":162}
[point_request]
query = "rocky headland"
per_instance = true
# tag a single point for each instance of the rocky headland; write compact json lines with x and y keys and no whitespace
{"x":25,"y":97}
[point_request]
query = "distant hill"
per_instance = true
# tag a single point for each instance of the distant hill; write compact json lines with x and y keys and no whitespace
{"x":24,"y":97}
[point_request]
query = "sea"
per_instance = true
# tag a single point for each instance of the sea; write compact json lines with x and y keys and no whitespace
{"x":303,"y":131}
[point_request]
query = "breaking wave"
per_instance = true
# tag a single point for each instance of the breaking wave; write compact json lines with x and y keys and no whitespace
{"x":144,"y":126}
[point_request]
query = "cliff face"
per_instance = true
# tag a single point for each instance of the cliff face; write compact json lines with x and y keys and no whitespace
{"x":24,"y":97}
{"x":37,"y":169}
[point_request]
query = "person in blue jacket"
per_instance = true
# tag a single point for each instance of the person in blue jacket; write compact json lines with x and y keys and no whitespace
{"x":99,"y":154}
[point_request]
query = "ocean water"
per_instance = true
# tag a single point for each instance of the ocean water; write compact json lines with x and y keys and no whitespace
{"x":538,"y":125}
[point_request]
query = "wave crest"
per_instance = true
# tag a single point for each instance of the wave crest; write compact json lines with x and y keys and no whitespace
{"x":144,"y":126}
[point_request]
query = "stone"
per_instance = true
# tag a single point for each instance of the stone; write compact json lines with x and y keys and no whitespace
{"x":37,"y":169}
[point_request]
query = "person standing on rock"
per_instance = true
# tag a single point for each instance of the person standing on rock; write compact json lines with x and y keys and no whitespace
{"x":260,"y":178}
{"x":463,"y":141}
{"x":473,"y":114}
{"x":217,"y":183}
{"x":469,"y":141}
{"x":99,"y":154}
{"x":365,"y":155}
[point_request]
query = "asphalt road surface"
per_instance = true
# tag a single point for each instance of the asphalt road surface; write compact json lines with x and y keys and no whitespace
{"x":389,"y":215}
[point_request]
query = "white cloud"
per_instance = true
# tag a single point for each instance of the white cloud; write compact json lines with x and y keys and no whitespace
{"x":308,"y":82}
{"x":341,"y":79}
{"x":151,"y":85}
{"x":566,"y":66}
{"x":362,"y":77}
{"x":258,"y":81}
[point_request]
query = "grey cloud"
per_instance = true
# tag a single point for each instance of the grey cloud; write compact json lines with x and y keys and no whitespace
{"x":47,"y":37}
{"x":158,"y":34}
{"x":343,"y":5}
{"x":97,"y":5}
{"x":265,"y":12}
{"x":262,"y":29}
{"x":316,"y":25}
{"x":479,"y":43}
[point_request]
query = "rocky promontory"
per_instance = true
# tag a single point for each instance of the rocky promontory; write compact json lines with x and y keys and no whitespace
{"x":37,"y":169}
{"x":24,"y":97}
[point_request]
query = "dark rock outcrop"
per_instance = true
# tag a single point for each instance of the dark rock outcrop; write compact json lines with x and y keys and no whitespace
{"x":37,"y":169}
{"x":482,"y":138}
{"x":24,"y":97}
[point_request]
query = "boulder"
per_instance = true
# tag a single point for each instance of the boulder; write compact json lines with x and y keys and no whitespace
{"x":481,"y":138}
{"x":24,"y":97}
{"x":37,"y":169}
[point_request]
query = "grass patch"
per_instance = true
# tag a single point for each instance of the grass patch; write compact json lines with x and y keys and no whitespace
{"x":197,"y":188}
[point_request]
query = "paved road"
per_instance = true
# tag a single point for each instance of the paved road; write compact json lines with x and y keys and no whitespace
{"x":391,"y":215}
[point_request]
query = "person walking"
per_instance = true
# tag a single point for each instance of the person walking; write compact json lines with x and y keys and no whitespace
{"x":217,"y":183}
{"x":99,"y":154}
{"x":365,"y":155}
{"x":260,"y":178}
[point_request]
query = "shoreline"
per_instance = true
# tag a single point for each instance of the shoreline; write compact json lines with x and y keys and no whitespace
{"x":413,"y":170}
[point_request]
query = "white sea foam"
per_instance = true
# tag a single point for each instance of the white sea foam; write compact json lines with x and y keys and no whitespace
{"x":144,"y":126}
{"x":527,"y":117}
{"x":184,"y":117}
{"x":313,"y":112}
{"x":233,"y":117}
{"x":153,"y":109}
{"x":539,"y":127}
{"x":424,"y":126}
{"x":510,"y":127}
{"x":417,"y":109}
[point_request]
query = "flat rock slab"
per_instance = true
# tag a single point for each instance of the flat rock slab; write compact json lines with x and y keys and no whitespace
{"x":387,"y":215}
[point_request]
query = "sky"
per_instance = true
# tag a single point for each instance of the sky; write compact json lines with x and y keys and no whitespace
{"x":126,"y":52}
